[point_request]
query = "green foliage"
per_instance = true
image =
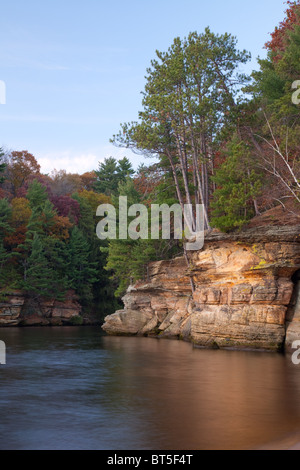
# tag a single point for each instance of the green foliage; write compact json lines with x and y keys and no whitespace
{"x":76,"y":321}
{"x":127,"y":260}
{"x":273,"y":82}
{"x":4,"y":258}
{"x":111,"y":173}
{"x":191,"y":93}
{"x":37,"y":195}
{"x":44,"y":275}
{"x":82,"y":273}
{"x":237,"y":184}
{"x":120,"y":252}
{"x":5,"y":214}
{"x":86,"y":221}
{"x":96,"y":287}
{"x":194,"y":105}
{"x":8,"y":275}
{"x":45,"y":265}
{"x":2,"y":166}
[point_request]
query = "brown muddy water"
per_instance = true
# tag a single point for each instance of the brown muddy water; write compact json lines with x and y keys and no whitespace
{"x":75,"y":388}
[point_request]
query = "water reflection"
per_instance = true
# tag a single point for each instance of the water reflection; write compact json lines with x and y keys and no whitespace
{"x":210,"y":399}
{"x":73,"y":388}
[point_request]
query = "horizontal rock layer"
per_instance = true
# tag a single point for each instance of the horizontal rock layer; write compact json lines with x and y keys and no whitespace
{"x":242,"y":298}
{"x":16,"y":309}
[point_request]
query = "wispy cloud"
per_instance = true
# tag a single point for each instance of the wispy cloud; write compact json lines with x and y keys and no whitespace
{"x":81,"y":162}
{"x":67,"y":160}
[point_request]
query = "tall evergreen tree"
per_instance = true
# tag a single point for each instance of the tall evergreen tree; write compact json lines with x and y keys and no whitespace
{"x":124,"y":169}
{"x":2,"y":165}
{"x":8,"y":273}
{"x":111,"y":173}
{"x":5,"y":214}
{"x":121,"y":261}
{"x":238,"y":183}
{"x":107,"y":179}
{"x":276,"y":94}
{"x":37,"y":195}
{"x":127,"y":259}
{"x":4,"y":258}
{"x":191,"y":92}
{"x":42,"y":279}
{"x":82,"y":272}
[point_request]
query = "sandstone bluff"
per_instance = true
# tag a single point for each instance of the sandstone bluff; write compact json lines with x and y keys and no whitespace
{"x":16,"y":310}
{"x":246,"y":294}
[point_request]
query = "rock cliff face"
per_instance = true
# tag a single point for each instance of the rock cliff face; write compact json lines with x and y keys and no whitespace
{"x":16,"y":310}
{"x":293,"y":316}
{"x":244,"y":297}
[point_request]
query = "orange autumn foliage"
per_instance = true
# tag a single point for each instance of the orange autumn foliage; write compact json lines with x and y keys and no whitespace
{"x":60,"y":228}
{"x":279,"y":37}
{"x":21,"y":211}
{"x":88,"y":180}
{"x":21,"y":165}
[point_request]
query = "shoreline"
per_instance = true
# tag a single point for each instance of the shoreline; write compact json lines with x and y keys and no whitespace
{"x":289,"y":442}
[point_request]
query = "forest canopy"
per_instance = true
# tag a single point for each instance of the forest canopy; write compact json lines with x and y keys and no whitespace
{"x":222,"y":138}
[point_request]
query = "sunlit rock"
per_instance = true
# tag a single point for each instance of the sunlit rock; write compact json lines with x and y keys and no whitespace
{"x":243,"y":293}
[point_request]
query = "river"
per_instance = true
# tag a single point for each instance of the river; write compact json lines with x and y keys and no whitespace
{"x":75,"y":388}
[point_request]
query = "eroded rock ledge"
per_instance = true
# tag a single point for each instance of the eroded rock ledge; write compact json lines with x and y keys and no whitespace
{"x":17,"y":310}
{"x":243,"y":293}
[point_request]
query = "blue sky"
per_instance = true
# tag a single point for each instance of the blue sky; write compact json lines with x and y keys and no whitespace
{"x":74,"y":69}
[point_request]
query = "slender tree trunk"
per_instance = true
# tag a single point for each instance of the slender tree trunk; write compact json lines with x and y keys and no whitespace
{"x":181,"y":202}
{"x":253,"y":198}
{"x":186,"y":183}
{"x":201,"y":196}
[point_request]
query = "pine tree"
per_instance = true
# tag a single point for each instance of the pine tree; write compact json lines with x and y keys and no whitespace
{"x":237,"y":184}
{"x":124,"y":169}
{"x":37,"y":195}
{"x":191,"y":91}
{"x":276,"y":94}
{"x":82,"y":272}
{"x":5,"y":214}
{"x":107,"y":180}
{"x":111,"y":173}
{"x":42,"y":278}
{"x":97,"y":285}
{"x":44,"y":256}
{"x":2,"y":165}
{"x":120,"y":252}
{"x":4,"y":258}
{"x":8,"y":273}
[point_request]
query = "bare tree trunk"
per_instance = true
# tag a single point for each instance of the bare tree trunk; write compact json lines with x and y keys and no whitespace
{"x":186,"y":183}
{"x":201,"y":196}
{"x":253,"y":199}
{"x":289,"y":180}
{"x":181,"y":202}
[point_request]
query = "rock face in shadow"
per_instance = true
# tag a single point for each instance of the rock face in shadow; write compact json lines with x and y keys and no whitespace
{"x":293,"y":317}
{"x":10,"y":308}
{"x":242,"y":297}
{"x":17,"y":310}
